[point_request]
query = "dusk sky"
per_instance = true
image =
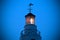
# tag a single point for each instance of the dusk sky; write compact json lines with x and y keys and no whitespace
{"x":14,"y":12}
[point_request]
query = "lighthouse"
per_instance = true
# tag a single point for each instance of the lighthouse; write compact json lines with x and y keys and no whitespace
{"x":30,"y":31}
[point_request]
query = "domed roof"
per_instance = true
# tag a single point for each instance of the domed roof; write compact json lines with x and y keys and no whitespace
{"x":30,"y":14}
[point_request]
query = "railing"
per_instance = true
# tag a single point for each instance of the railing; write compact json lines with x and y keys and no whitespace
{"x":23,"y":32}
{"x":38,"y":32}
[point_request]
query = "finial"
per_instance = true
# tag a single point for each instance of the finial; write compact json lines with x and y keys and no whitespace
{"x":30,"y":7}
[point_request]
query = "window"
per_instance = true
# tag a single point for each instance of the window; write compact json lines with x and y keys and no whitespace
{"x":32,"y":21}
{"x":29,"y":20}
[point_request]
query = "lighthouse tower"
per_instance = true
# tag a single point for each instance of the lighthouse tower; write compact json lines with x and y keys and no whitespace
{"x":30,"y":31}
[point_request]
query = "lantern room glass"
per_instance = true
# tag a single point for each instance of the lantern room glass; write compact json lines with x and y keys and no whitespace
{"x":30,"y":20}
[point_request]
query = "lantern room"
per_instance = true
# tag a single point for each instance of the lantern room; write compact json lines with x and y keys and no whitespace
{"x":30,"y":18}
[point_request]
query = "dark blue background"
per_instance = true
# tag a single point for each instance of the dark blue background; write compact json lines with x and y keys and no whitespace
{"x":13,"y":19}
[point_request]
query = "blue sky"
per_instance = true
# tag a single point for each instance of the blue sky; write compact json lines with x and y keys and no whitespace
{"x":46,"y":12}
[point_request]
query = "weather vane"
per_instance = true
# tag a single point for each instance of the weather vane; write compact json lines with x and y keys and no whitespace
{"x":30,"y":7}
